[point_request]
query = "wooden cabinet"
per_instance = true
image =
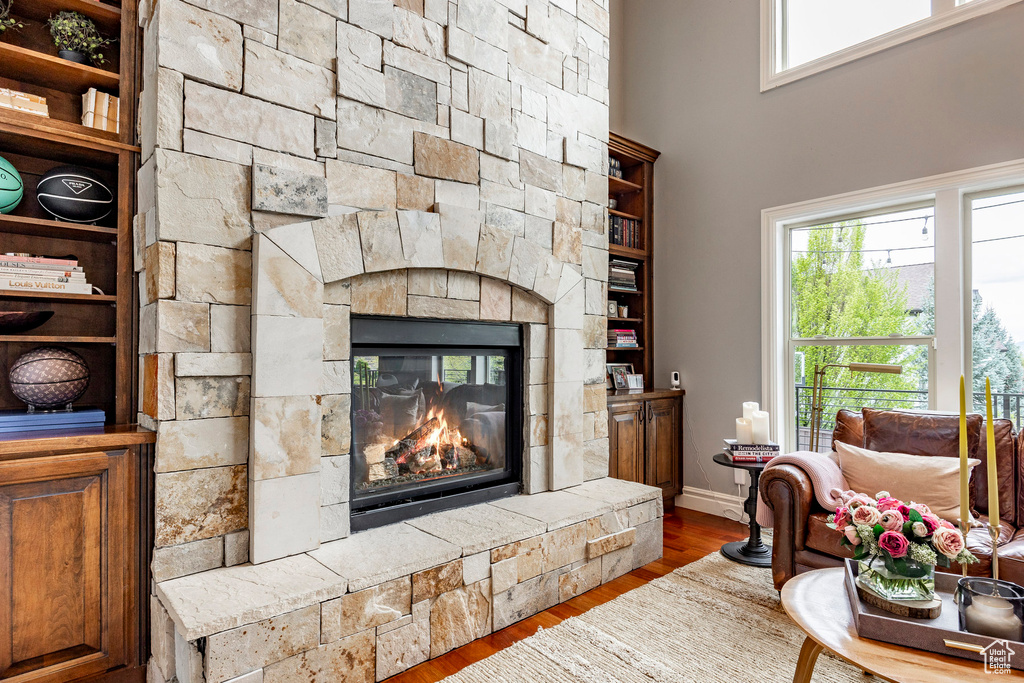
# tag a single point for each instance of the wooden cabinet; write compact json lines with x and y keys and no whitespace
{"x":71,"y":562}
{"x":645,"y":439}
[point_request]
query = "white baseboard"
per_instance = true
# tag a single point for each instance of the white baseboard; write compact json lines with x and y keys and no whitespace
{"x":713,"y":503}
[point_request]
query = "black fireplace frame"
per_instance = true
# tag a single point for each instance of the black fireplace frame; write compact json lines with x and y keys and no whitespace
{"x":418,"y":335}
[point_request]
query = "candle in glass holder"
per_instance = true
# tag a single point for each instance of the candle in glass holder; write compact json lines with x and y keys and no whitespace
{"x":759,"y":427}
{"x":744,"y":434}
{"x":988,"y":615}
{"x":749,"y":408}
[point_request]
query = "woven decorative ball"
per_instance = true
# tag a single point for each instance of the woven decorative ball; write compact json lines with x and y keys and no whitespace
{"x":49,"y":377}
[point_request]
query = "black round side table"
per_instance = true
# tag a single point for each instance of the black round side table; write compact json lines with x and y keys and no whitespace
{"x":753,"y":551}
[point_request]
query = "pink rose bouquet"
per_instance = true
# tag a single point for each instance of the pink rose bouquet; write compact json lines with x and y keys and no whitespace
{"x":907,"y":536}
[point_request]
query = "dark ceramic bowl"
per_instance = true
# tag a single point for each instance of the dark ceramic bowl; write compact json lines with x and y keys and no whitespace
{"x":13,"y":322}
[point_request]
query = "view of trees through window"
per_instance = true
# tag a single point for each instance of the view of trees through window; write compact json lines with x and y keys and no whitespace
{"x":863,"y":291}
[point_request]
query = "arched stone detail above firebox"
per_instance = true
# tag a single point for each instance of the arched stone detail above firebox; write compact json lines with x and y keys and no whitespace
{"x":299,"y":383}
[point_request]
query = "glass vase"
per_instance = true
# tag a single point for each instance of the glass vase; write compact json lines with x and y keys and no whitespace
{"x":916,"y":581}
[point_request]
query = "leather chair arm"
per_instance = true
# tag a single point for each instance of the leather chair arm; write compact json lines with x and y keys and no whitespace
{"x":787,"y":490}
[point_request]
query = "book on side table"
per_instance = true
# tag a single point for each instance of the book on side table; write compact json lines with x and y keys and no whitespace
{"x":750,"y":452}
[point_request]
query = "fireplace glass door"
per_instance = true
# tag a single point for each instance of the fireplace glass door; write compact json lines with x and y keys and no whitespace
{"x":428,"y":417}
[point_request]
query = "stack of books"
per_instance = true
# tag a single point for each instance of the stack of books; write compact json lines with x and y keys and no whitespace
{"x":614,"y":167}
{"x":101,"y":111}
{"x":22,"y":101}
{"x":624,"y":232}
{"x":42,"y":274}
{"x":622,"y":339}
{"x":622,"y":275}
{"x":750,"y":452}
{"x":77,"y":420}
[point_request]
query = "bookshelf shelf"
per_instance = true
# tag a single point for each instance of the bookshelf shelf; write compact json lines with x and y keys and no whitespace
{"x":41,"y":227}
{"x":624,"y":348}
{"x":620,"y":186}
{"x":623,"y":214}
{"x":55,"y":339}
{"x":625,"y":320}
{"x":72,"y":298}
{"x":22,"y":64}
{"x":106,"y":16}
{"x":624,"y":291}
{"x":628,"y":252}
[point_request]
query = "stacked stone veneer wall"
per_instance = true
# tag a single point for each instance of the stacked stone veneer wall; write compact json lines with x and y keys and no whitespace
{"x":479,"y":121}
{"x":372,"y":605}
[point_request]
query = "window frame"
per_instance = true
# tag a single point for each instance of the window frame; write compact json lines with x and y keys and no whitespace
{"x":946,"y":13}
{"x":950,"y":350}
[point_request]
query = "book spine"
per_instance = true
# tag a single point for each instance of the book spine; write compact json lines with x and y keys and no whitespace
{"x":753,"y":449}
{"x":17,"y":284}
{"x":38,"y":260}
{"x":40,"y":273}
{"x":89,"y":108}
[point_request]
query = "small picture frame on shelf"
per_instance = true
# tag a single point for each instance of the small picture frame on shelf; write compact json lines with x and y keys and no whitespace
{"x":635,"y":382}
{"x":613,"y":308}
{"x":617,"y":373}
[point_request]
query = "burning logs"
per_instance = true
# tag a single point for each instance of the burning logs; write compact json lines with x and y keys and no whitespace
{"x":432,"y":447}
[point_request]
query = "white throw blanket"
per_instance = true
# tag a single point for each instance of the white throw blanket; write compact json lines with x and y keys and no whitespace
{"x":827,"y":479}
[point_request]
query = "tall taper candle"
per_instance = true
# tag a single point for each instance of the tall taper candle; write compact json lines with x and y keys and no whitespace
{"x":965,"y":495}
{"x":990,"y":443}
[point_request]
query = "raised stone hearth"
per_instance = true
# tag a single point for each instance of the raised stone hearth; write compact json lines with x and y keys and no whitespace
{"x":372,"y":605}
{"x":307,"y":161}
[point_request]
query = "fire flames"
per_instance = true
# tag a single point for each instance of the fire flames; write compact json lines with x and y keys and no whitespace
{"x":434,"y":446}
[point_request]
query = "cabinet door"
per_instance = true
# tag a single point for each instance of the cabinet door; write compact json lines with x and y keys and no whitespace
{"x":663,"y":438}
{"x":63,"y":565}
{"x":626,"y":441}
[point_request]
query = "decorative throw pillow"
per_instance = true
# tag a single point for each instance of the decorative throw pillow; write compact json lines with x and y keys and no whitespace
{"x":400,"y":414}
{"x":934,"y":481}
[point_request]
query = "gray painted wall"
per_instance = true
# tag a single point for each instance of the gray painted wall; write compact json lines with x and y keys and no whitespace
{"x":689,"y":87}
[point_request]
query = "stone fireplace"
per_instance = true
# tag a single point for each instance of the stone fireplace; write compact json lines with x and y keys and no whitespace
{"x":312,"y":170}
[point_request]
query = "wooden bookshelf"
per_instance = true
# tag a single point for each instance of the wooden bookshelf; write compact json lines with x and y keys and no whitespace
{"x":98,"y":326}
{"x":634,"y":197}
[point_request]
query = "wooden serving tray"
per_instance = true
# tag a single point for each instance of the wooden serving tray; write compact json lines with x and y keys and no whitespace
{"x":931,"y":635}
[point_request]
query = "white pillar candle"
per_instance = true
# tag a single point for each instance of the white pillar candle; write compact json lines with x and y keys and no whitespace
{"x":759,"y":427}
{"x":744,"y":434}
{"x":749,"y":408}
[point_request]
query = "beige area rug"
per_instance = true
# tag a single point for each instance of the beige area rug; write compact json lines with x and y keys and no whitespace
{"x":708,"y":622}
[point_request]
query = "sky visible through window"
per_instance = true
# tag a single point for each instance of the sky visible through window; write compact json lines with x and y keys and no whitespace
{"x":820,"y":27}
{"x":997,"y":230}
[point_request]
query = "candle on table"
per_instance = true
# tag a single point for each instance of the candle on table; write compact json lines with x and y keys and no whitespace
{"x":749,"y":408}
{"x":990,"y":443}
{"x":965,"y":514}
{"x":990,"y":616}
{"x":744,"y":434}
{"x":759,"y":427}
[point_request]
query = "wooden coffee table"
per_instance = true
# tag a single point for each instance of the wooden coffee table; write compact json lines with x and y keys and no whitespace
{"x":816,"y":601}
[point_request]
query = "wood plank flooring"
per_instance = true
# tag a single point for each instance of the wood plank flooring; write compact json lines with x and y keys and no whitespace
{"x":689,"y":536}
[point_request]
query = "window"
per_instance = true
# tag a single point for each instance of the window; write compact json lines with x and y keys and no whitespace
{"x":861,"y":291}
{"x":924,"y":274}
{"x":803,"y":37}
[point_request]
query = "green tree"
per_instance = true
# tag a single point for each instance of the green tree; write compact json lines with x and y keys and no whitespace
{"x":836,"y":295}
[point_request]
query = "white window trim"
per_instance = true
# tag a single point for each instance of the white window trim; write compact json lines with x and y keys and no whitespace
{"x":945,"y":19}
{"x":947,"y":191}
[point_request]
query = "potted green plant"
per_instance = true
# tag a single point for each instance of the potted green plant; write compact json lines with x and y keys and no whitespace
{"x":77,"y":38}
{"x":6,"y":21}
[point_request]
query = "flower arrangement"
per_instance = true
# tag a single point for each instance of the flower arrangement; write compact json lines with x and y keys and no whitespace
{"x":75,"y":32}
{"x":6,"y":21}
{"x":907,"y":537}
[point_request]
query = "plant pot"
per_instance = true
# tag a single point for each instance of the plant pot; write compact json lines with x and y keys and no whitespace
{"x":74,"y":56}
{"x":915,"y":582}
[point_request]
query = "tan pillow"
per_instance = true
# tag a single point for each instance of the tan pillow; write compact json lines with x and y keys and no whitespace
{"x":934,"y":481}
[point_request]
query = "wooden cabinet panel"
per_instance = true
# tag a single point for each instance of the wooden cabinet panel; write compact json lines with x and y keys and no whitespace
{"x":64,"y":543}
{"x":626,"y":441}
{"x":663,"y":435}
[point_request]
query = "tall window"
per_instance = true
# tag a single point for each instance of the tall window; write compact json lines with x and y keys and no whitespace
{"x":997,"y":299}
{"x":861,"y":291}
{"x":925,"y":274}
{"x":802,"y":37}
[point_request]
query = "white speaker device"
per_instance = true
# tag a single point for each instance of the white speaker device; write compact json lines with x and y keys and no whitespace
{"x":674,"y":380}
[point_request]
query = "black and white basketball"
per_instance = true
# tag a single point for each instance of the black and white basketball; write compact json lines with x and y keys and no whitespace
{"x":75,"y":195}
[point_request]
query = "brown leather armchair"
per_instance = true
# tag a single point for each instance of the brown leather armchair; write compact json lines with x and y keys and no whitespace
{"x":803,"y":542}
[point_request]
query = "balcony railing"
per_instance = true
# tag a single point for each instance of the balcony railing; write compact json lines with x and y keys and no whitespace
{"x":1010,"y":406}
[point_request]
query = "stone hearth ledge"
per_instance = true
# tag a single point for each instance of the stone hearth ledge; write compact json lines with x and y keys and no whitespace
{"x":217,"y":600}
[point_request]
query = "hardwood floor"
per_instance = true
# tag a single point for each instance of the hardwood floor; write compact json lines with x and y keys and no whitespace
{"x":689,"y":536}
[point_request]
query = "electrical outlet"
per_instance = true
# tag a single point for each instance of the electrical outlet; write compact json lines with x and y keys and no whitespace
{"x":740,"y":477}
